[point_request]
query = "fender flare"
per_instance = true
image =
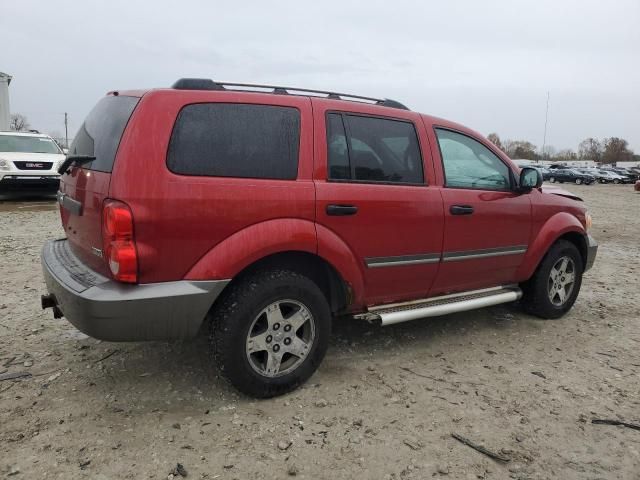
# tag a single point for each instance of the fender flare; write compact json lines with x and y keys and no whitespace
{"x":246,"y":246}
{"x":337,"y":253}
{"x":255,"y":242}
{"x":558,"y":225}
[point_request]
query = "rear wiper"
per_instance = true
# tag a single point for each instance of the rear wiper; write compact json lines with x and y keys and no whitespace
{"x":77,"y":159}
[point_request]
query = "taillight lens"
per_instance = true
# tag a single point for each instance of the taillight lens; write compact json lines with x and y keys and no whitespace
{"x":119,"y":243}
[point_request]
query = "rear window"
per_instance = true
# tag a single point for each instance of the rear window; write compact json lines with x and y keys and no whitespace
{"x":236,"y":140}
{"x":99,"y":135}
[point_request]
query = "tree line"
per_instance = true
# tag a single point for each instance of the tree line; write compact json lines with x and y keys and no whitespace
{"x":607,"y":150}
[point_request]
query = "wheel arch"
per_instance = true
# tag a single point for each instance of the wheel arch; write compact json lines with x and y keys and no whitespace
{"x":317,"y":269}
{"x":562,"y":225}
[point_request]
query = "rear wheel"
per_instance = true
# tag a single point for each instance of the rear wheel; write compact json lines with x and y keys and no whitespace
{"x":552,"y":179}
{"x":270,"y":332}
{"x":555,"y":285}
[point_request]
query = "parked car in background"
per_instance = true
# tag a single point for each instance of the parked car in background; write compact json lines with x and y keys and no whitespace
{"x":627,"y":173}
{"x":596,"y":173}
{"x":29,"y":162}
{"x":610,"y":176}
{"x":263,"y":214}
{"x":570,"y":175}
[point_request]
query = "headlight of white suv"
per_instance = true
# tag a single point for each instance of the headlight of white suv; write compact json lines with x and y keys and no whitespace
{"x":5,"y":164}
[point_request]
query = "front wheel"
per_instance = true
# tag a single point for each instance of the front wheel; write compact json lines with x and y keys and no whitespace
{"x":578,"y":181}
{"x":552,"y":179}
{"x":616,"y":181}
{"x":555,"y":285}
{"x":270,"y":332}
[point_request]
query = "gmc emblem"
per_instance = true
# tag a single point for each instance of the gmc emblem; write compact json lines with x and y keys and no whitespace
{"x":34,"y":165}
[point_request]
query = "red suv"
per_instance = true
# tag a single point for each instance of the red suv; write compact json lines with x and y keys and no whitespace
{"x":262,"y":212}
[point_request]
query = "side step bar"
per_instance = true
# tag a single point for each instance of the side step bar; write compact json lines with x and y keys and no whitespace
{"x":443,"y":305}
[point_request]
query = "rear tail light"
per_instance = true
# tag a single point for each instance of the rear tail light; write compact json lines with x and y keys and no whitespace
{"x":118,"y":241}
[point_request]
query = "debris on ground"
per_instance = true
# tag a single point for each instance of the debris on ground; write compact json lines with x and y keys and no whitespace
{"x":602,"y":421}
{"x":480,"y":448}
{"x":177,"y":471}
{"x":14,"y":375}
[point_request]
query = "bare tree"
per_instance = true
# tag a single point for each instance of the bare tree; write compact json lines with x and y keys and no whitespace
{"x":19,"y":122}
{"x":590,"y":149}
{"x":616,"y":150}
{"x":566,"y":155}
{"x":495,"y":139}
{"x":520,"y":149}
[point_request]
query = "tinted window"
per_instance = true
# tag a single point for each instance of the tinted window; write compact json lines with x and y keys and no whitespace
{"x":236,"y":140}
{"x":373,"y":149}
{"x":469,"y":164}
{"x":337,"y":149}
{"x":99,"y":135}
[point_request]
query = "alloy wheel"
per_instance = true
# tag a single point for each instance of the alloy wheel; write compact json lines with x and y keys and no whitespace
{"x":280,"y":338}
{"x":561,"y":281}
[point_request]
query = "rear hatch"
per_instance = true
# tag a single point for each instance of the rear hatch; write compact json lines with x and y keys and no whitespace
{"x":86,"y":187}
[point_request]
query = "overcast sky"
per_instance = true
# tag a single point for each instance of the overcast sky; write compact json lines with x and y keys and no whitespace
{"x":486,"y":64}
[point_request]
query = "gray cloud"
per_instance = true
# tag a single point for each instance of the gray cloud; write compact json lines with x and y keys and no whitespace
{"x":485,"y":64}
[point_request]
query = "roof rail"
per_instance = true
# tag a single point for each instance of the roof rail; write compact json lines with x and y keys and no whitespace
{"x":208,"y":84}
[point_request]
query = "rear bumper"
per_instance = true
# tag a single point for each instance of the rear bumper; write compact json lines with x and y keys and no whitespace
{"x":109,"y":310}
{"x":592,"y":250}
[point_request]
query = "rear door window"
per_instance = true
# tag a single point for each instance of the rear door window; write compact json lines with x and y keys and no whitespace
{"x":99,"y":135}
{"x":373,"y":149}
{"x":236,"y":140}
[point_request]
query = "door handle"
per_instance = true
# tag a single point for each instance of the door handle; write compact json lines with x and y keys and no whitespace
{"x":341,"y":210}
{"x":461,"y":209}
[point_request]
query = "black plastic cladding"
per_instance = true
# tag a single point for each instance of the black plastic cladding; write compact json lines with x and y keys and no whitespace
{"x":208,"y":84}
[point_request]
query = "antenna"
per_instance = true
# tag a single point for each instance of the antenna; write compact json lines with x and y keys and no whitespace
{"x":546,"y":118}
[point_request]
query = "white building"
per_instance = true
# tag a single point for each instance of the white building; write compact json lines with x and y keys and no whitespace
{"x":5,"y":116}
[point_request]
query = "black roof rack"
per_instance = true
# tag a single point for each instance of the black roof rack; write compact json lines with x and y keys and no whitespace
{"x":207,"y":84}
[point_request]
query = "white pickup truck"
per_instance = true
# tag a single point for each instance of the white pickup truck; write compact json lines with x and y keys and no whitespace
{"x":29,"y":162}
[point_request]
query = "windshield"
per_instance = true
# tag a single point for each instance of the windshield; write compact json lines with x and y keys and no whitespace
{"x":19,"y":143}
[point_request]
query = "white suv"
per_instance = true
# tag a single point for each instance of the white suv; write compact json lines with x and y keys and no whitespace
{"x":29,"y":161}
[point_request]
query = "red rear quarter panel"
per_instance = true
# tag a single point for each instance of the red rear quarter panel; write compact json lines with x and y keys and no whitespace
{"x":179,"y":219}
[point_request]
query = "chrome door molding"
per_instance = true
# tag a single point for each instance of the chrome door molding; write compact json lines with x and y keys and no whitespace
{"x":484,"y":253}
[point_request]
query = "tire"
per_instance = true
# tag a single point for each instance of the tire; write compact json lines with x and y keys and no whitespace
{"x":240,"y":325}
{"x":616,"y":181}
{"x":578,"y":181}
{"x":552,"y":179}
{"x":537,"y":291}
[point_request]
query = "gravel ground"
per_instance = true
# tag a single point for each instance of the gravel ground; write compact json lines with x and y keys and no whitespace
{"x":384,"y":404}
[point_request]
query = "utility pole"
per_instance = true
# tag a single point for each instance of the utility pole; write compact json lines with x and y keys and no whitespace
{"x":66,"y":131}
{"x":546,"y":117}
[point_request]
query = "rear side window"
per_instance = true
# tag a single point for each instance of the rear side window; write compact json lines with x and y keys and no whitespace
{"x":372,"y":149}
{"x":99,"y":135}
{"x":236,"y":140}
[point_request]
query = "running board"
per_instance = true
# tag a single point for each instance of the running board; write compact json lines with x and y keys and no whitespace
{"x":443,"y":305}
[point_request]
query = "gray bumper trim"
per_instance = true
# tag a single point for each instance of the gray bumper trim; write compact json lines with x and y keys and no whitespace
{"x":592,"y":250}
{"x":115,"y":311}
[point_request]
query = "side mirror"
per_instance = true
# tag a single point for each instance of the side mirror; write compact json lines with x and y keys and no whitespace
{"x":530,"y":178}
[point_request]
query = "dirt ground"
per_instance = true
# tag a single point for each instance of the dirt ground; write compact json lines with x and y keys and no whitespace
{"x":383,"y":405}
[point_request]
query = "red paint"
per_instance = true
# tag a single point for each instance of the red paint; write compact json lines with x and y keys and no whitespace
{"x":211,"y":228}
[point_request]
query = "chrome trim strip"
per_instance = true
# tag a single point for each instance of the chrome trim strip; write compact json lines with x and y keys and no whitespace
{"x":377,"y":262}
{"x":485,"y":253}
